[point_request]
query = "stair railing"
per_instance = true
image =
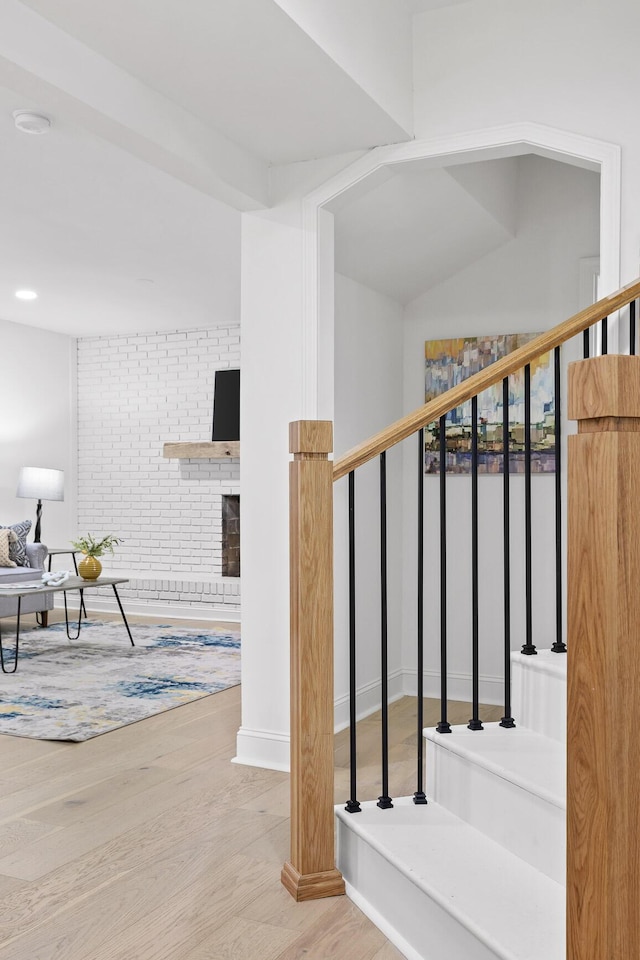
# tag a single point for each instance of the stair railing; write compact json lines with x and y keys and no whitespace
{"x":604,"y":395}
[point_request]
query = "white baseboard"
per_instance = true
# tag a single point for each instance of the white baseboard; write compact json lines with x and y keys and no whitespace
{"x":367,"y":699}
{"x":263,"y":748}
{"x":458,"y":686}
{"x":177,"y":611}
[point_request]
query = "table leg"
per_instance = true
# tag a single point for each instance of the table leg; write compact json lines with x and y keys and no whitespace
{"x":15,"y":658}
{"x":123,"y":616}
{"x":66,"y":616}
{"x":83,"y":609}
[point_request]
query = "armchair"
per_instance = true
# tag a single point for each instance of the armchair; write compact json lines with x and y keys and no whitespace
{"x":37,"y":554}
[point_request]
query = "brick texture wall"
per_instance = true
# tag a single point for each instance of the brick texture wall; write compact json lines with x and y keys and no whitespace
{"x":135,"y":393}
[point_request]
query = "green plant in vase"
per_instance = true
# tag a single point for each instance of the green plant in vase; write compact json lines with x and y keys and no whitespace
{"x":90,"y":567}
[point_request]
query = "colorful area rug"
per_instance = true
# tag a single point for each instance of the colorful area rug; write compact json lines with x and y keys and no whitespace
{"x":78,"y":689}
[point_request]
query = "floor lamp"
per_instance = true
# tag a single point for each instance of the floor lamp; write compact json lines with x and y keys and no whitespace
{"x":40,"y":483}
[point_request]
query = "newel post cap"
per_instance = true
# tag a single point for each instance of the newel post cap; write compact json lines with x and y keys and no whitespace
{"x":606,"y":386}
{"x":311,"y":436}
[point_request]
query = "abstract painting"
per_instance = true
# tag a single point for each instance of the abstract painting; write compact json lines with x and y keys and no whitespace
{"x":449,"y":362}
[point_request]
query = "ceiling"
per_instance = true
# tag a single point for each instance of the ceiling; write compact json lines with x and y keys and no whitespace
{"x":166,"y":116}
{"x":420,"y":6}
{"x":161,"y":109}
{"x":421,"y":226}
{"x":83,"y":223}
{"x":242,"y":66}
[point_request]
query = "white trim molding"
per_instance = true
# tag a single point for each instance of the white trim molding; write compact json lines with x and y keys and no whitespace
{"x":509,"y":140}
{"x":145,"y":608}
{"x":263,"y":748}
{"x":458,"y":686}
{"x":368,"y":699}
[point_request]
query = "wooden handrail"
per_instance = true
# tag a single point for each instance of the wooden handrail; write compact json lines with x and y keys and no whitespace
{"x":495,"y":373}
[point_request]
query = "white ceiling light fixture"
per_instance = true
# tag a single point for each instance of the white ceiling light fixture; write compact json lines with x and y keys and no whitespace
{"x":26,"y":295}
{"x":28,"y":122}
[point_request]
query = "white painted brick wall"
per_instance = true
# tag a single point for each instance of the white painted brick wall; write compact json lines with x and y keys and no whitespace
{"x":134,"y":394}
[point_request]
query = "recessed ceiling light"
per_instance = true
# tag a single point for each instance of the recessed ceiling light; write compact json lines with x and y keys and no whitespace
{"x":26,"y":295}
{"x":28,"y":122}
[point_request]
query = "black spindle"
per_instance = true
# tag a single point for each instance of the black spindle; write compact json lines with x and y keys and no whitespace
{"x":528,"y":647}
{"x":507,"y":721}
{"x":419,"y":795}
{"x":384,"y":801}
{"x":632,"y":328}
{"x":474,"y":723}
{"x":585,"y":343}
{"x":352,"y":805}
{"x":559,"y":646}
{"x":443,"y":726}
{"x":604,"y":326}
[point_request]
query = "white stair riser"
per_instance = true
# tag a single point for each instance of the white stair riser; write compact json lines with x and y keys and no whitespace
{"x":539,"y":698}
{"x":521,"y":822}
{"x":418,"y":926}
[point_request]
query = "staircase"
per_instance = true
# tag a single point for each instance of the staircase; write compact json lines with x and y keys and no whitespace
{"x":478,"y":873}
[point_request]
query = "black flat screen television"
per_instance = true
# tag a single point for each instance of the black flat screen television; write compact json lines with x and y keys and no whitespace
{"x":226,"y":405}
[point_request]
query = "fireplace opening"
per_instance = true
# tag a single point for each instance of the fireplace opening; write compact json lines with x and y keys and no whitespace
{"x":231,"y":535}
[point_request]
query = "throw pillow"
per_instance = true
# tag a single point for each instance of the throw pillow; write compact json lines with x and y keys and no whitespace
{"x":18,"y":549}
{"x":6,"y":538}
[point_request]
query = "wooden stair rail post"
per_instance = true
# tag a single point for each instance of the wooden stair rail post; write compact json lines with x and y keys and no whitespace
{"x":603,"y":778}
{"x":311,"y":872}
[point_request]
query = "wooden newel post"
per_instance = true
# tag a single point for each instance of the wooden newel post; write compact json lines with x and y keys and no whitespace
{"x":311,"y":871}
{"x":603,"y":782}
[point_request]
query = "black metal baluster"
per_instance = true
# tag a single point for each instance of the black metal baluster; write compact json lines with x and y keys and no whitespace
{"x":384,"y":801}
{"x":443,"y":726}
{"x":585,"y":343}
{"x":632,"y":328}
{"x":559,"y":646}
{"x":528,"y":647}
{"x":507,"y":721}
{"x":352,"y":805}
{"x":474,"y":723}
{"x":604,"y":326}
{"x":419,"y":795}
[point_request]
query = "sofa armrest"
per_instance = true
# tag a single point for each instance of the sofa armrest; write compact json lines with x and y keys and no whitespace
{"x":37,"y":554}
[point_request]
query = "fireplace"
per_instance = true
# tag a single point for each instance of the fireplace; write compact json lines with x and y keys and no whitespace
{"x":230,"y":535}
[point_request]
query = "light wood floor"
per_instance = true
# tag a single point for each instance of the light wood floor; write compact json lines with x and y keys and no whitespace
{"x":148,"y":844}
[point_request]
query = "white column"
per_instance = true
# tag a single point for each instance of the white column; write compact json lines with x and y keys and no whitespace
{"x":271,"y":396}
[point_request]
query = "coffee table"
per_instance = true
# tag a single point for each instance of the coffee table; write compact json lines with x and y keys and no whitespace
{"x":73,"y":583}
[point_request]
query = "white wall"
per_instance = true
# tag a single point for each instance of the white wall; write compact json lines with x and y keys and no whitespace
{"x":368,"y":396}
{"x":36,"y":424}
{"x":134,"y":394}
{"x":528,"y":285}
{"x":570,"y":65}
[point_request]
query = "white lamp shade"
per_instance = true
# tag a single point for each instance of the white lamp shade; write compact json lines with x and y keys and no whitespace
{"x":40,"y":483}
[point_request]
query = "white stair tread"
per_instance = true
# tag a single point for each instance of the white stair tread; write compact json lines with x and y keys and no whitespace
{"x":530,"y":760}
{"x":544,"y":661}
{"x":509,"y":906}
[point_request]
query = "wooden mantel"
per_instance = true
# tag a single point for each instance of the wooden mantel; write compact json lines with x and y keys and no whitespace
{"x":205,"y":450}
